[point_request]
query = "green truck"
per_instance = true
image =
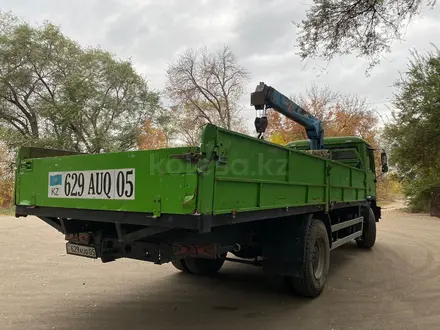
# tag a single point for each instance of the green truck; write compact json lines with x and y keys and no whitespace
{"x":280,"y":207}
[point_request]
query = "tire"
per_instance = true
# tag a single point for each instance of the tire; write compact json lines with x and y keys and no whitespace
{"x":205,"y":267}
{"x":316,"y":262}
{"x":368,"y":237}
{"x":180,"y":264}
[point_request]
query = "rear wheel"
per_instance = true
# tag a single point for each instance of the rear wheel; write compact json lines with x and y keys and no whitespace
{"x":180,"y":264}
{"x":316,"y":262}
{"x":206,"y":267}
{"x":368,"y":238}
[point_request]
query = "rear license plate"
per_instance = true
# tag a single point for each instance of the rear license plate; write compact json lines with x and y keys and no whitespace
{"x":81,"y":250}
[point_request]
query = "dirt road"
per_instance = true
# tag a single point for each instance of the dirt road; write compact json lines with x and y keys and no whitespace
{"x":394,"y":286}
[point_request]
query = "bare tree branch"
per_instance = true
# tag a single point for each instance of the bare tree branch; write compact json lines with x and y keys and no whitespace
{"x":206,"y":86}
{"x":364,"y":27}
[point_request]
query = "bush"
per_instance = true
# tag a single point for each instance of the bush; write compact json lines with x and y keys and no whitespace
{"x":418,"y":192}
{"x":6,"y":178}
{"x":6,"y":193}
{"x":413,"y":134}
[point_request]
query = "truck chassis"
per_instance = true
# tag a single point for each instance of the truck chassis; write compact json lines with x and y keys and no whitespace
{"x":197,"y":244}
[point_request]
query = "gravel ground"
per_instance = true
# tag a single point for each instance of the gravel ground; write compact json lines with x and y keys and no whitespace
{"x":394,"y":286}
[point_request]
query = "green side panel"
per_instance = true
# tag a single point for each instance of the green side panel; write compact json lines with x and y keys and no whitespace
{"x":347,"y":183}
{"x":162,"y":181}
{"x":253,"y":174}
{"x":230,"y":172}
{"x":235,"y":196}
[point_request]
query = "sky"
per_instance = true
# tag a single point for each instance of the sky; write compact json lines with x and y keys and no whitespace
{"x":259,"y":32}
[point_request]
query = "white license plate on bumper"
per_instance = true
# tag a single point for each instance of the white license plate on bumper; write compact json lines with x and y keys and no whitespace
{"x":81,"y":250}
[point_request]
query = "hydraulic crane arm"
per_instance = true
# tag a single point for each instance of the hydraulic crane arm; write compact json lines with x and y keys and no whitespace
{"x":266,"y":97}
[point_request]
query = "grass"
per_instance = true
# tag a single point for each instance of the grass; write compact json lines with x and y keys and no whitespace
{"x":7,"y":211}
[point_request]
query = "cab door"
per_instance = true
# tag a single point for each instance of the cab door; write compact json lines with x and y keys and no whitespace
{"x":371,"y":174}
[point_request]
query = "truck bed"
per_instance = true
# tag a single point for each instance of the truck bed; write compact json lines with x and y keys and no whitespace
{"x":230,"y":178}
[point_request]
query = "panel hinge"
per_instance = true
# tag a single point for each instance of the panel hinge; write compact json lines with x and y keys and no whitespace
{"x":190,"y":157}
{"x":26,"y":165}
{"x":157,"y":207}
{"x":329,"y":169}
{"x":220,"y":154}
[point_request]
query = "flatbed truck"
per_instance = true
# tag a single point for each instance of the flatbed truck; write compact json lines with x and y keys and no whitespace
{"x":283,"y":208}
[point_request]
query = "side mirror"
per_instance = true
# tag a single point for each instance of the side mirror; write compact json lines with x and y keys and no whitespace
{"x":384,"y":162}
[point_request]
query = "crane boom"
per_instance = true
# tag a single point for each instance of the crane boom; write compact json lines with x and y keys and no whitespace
{"x":266,"y":97}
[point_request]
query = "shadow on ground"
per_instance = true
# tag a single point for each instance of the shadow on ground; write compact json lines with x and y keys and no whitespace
{"x":237,"y":296}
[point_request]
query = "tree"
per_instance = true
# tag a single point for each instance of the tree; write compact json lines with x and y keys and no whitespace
{"x":55,"y":93}
{"x":340,"y":115}
{"x":6,"y":177}
{"x":365,"y":27}
{"x":152,"y":137}
{"x":205,"y":88}
{"x":413,"y":134}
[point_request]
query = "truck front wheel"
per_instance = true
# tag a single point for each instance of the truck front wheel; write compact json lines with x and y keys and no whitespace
{"x":368,"y":238}
{"x":316,"y":261}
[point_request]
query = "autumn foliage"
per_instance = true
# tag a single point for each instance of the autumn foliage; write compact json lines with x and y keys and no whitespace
{"x":6,"y":179}
{"x":341,"y":116}
{"x":152,"y":138}
{"x":6,"y":192}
